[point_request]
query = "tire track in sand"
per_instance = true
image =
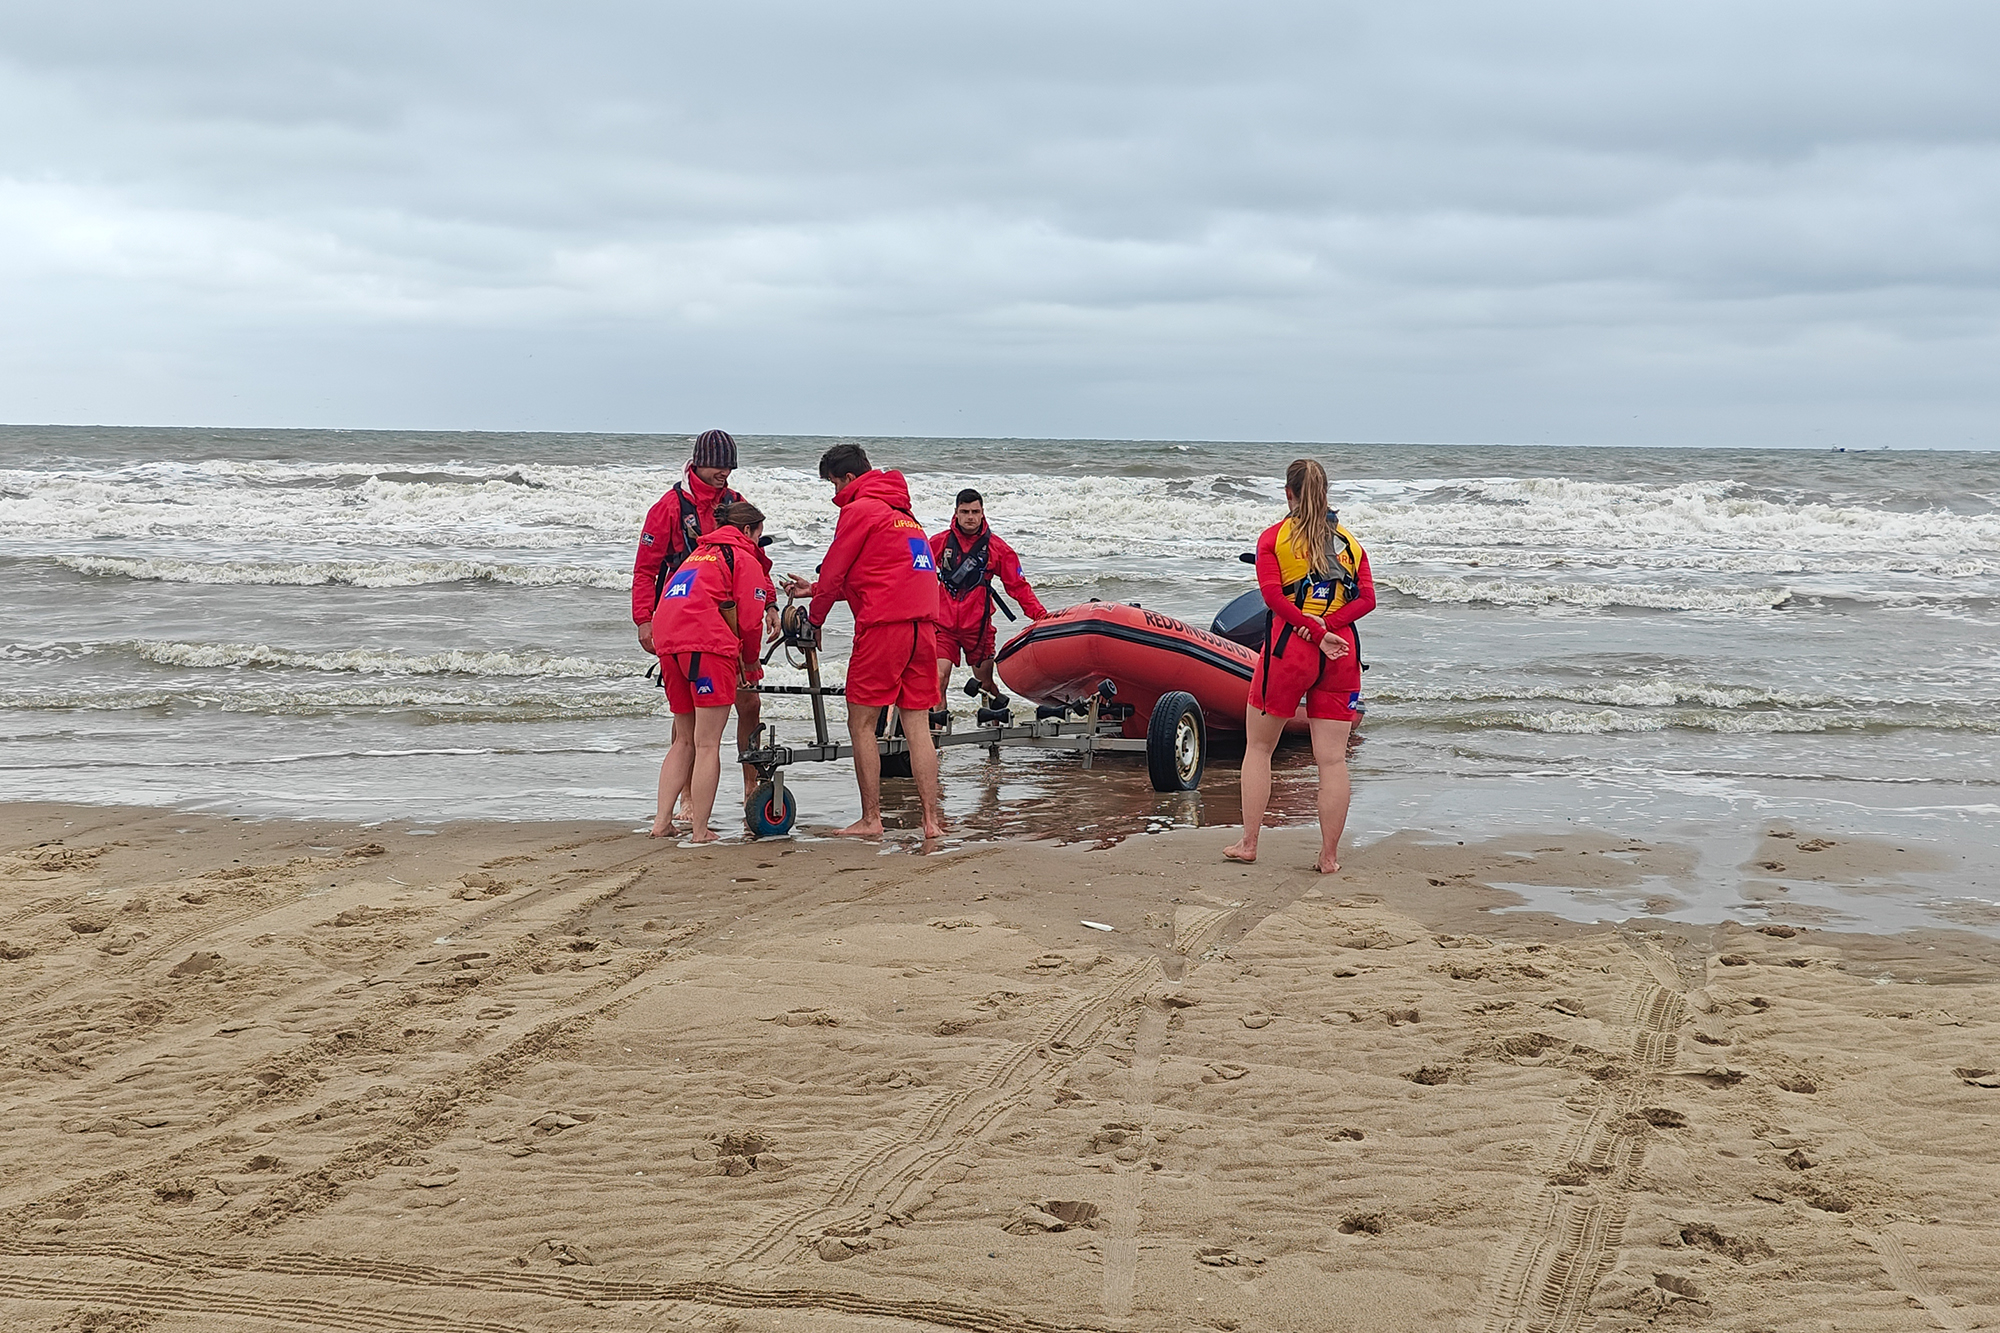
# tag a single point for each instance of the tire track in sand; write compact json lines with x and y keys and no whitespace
{"x":891,"y":1169}
{"x":1902,"y":1271}
{"x":158,"y":1298}
{"x":449,"y":1283}
{"x":1572,"y":1227}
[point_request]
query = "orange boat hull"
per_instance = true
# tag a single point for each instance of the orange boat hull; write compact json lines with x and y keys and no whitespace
{"x":1144,"y":653}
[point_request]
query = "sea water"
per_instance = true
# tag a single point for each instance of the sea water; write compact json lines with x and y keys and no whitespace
{"x":433,"y":626}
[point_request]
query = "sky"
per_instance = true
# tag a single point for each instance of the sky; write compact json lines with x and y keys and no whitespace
{"x":1575,"y":223}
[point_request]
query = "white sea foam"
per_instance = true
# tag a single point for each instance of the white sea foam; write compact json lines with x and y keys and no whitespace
{"x":1609,"y":721}
{"x":354,"y":573}
{"x":1049,"y":515}
{"x":1652,"y":596}
{"x":1652,"y":692}
{"x":381,"y":662}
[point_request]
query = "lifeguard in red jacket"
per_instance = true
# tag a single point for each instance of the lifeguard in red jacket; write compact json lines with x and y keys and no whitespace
{"x":969,"y":557}
{"x":709,"y":626}
{"x":880,"y":564}
{"x":674,"y":524}
{"x":1316,"y":582}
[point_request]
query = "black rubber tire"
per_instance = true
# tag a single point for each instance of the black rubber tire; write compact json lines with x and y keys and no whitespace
{"x":1176,"y":743}
{"x":768,"y":818}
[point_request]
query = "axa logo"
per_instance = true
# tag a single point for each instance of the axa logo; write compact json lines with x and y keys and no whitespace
{"x":920,"y":556}
{"x":681,"y":585}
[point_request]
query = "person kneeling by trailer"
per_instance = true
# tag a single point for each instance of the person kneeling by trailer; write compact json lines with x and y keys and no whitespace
{"x":969,"y":555}
{"x":880,"y":564}
{"x":708,"y":627}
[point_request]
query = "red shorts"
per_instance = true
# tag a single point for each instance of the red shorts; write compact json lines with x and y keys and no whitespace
{"x":895,"y":664}
{"x":1330,"y":687}
{"x":713,"y":684}
{"x":970,"y":649}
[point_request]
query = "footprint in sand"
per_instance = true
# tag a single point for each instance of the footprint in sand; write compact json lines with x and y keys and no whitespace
{"x":1743,"y":1249}
{"x":195,"y":964}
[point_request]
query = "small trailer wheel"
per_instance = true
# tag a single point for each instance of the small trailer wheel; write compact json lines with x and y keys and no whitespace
{"x":1176,"y":743}
{"x":767,"y":816}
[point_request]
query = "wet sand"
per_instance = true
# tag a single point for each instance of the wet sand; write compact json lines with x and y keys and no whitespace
{"x":539,"y":1076}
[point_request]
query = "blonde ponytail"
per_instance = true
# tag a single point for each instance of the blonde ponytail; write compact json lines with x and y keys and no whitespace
{"x":1312,"y":527}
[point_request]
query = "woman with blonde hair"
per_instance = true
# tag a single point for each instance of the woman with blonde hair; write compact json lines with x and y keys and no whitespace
{"x":1315,"y":579}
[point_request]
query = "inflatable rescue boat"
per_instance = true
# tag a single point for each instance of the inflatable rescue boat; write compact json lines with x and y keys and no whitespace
{"x":1146,"y":655}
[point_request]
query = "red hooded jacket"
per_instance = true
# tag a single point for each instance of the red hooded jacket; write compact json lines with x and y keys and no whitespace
{"x":967,"y":615}
{"x":663,"y":538}
{"x":689,"y":618}
{"x":880,"y":562}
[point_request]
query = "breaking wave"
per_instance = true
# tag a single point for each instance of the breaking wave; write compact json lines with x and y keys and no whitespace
{"x":458,"y":662}
{"x":1054,"y":515}
{"x":354,"y":573}
{"x":1650,"y":596}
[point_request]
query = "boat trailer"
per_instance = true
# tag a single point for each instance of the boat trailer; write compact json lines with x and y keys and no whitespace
{"x":1175,"y":744}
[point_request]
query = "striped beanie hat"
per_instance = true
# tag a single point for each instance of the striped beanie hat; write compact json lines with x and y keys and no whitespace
{"x":714,"y":448}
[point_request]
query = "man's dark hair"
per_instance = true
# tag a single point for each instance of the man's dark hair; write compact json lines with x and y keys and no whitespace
{"x":968,"y":496}
{"x":843,"y":460}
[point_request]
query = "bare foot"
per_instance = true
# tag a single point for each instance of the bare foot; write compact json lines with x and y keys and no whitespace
{"x":1237,"y":851}
{"x":704,"y":835}
{"x":935,"y":828}
{"x":862,"y":828}
{"x":662,"y":828}
{"x":1327,"y":866}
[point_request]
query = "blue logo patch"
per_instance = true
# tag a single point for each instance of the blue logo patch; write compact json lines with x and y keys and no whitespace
{"x":681,"y":585}
{"x":920,"y":555}
{"x":704,"y":685}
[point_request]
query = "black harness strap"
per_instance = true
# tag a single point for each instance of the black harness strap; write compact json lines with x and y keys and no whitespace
{"x":1300,"y":589}
{"x":690,"y":534}
{"x":960,"y":571}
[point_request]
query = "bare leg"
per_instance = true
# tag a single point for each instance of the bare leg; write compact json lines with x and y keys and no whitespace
{"x":944,"y":676}
{"x":867,"y":771}
{"x":707,"y":775}
{"x":674,"y":772}
{"x":1330,"y":754}
{"x":984,"y":671}
{"x":1260,"y":737}
{"x":924,"y":768}
{"x":749,"y":713}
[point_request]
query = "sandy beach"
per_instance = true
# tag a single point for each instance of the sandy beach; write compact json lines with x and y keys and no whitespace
{"x":512,"y":1076}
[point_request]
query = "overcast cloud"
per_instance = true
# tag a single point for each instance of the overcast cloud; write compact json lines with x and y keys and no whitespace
{"x":1693,"y":223}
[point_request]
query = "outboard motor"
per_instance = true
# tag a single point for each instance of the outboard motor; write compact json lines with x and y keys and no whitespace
{"x":1243,"y":620}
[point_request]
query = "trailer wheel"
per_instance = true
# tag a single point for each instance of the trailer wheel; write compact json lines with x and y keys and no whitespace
{"x":768,"y":817}
{"x":1176,"y":743}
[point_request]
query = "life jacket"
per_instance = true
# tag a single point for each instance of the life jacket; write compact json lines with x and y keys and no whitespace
{"x":961,"y":570}
{"x":1309,"y":592}
{"x":690,"y":533}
